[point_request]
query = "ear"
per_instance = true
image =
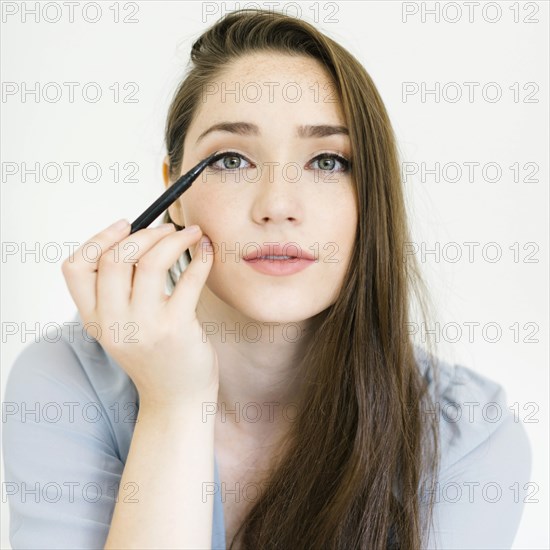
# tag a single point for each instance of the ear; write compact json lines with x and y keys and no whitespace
{"x":174,"y":210}
{"x":166,"y":171}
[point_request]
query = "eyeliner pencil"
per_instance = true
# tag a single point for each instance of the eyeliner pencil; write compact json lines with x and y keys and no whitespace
{"x":171,"y":194}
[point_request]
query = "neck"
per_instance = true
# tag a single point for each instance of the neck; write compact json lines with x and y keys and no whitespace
{"x":260,"y":376}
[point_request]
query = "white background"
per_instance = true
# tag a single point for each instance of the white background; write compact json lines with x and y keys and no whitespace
{"x":153,"y":53}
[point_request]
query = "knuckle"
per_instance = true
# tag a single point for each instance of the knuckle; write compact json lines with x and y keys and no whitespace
{"x":147,"y":264}
{"x":108,"y":260}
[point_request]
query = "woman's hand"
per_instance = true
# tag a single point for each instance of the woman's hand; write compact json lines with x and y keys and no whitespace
{"x":157,"y":339}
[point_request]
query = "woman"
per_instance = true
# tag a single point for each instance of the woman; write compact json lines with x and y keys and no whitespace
{"x":278,"y":407}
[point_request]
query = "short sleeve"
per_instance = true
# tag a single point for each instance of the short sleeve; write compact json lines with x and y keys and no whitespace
{"x":62,"y":468}
{"x":485,"y":469}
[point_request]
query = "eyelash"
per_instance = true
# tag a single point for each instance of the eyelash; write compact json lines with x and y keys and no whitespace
{"x":346,"y":164}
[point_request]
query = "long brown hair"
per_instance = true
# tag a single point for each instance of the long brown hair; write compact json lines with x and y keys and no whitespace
{"x":361,"y":449}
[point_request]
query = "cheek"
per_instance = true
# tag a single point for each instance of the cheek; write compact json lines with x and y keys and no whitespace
{"x":209,"y":208}
{"x":339,"y":224}
{"x":344,"y":245}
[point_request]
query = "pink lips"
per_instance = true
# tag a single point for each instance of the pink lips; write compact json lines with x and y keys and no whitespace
{"x":261,"y":259}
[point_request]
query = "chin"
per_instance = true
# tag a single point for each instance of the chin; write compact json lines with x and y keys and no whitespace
{"x":270,"y":306}
{"x":281,"y":315}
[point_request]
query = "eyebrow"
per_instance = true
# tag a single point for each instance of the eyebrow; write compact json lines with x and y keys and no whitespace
{"x":249,"y":129}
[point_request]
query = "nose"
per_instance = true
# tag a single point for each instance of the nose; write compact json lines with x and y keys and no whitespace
{"x":277,"y":197}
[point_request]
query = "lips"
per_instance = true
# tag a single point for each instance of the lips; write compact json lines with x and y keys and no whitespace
{"x":277,"y":252}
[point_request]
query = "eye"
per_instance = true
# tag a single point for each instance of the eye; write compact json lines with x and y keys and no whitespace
{"x":232,"y":164}
{"x":333,"y":159}
{"x":230,"y":160}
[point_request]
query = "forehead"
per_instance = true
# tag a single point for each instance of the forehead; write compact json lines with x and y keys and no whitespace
{"x":276,"y":85}
{"x":267,"y":64}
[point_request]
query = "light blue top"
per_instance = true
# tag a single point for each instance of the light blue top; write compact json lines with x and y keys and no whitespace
{"x":68,"y":418}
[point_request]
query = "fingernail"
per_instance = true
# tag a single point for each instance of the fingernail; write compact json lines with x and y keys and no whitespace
{"x":205,"y":241}
{"x":192,"y":229}
{"x":120,"y":225}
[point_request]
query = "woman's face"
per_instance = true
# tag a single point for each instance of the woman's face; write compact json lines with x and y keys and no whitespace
{"x":275,"y":193}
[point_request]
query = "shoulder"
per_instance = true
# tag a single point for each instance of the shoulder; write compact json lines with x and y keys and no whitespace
{"x":485,"y":459}
{"x":67,"y":374}
{"x":65,"y":438}
{"x":472,"y":409}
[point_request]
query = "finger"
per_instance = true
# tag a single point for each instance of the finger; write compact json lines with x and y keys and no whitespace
{"x":80,"y":268}
{"x":187,"y":291}
{"x":150,"y":276}
{"x":116,"y":269}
